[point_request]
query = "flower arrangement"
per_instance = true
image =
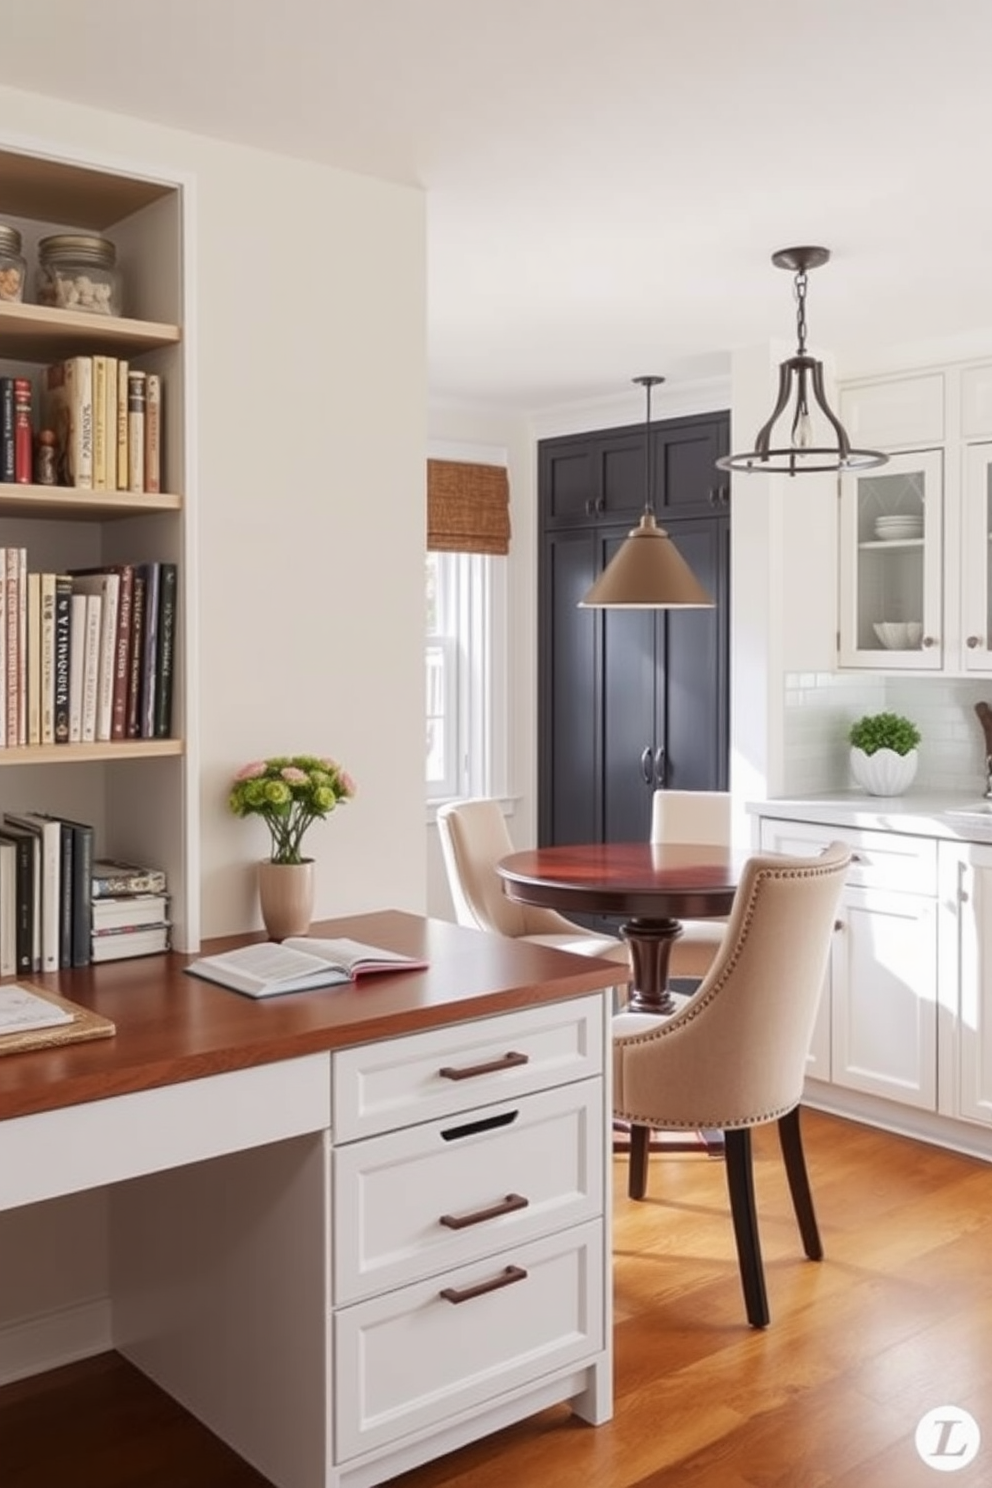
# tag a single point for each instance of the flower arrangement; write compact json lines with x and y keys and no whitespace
{"x":290,"y":793}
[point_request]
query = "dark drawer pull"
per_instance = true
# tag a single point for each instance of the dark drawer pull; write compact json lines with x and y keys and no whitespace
{"x":471,"y":1070}
{"x":462,"y":1221}
{"x":465,"y":1294}
{"x":473,"y":1128}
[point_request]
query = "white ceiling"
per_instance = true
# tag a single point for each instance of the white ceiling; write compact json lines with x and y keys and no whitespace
{"x":606,"y":179}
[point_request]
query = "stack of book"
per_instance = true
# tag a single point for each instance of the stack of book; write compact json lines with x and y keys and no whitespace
{"x":130,"y":911}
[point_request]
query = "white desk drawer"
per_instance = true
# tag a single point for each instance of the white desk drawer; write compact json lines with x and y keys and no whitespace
{"x":879,"y":860}
{"x":442,"y":1194}
{"x":380,"y":1087}
{"x":415,"y":1358}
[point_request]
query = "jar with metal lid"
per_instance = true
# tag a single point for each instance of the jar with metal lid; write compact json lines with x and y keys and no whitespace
{"x":78,"y":271}
{"x":12,"y":265}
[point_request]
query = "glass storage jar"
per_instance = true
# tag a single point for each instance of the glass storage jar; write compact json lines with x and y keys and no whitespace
{"x":78,"y":271}
{"x":12,"y":265}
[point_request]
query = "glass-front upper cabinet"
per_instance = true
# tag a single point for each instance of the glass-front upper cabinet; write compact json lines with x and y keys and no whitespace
{"x":976,"y":572}
{"x":891,"y":535}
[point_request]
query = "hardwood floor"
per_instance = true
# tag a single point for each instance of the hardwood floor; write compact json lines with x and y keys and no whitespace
{"x":895,"y":1321}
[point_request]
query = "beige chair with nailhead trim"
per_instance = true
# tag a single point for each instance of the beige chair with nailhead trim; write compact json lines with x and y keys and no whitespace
{"x":734,"y":1055}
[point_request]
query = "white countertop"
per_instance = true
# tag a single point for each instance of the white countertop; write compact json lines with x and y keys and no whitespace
{"x":955,"y":817}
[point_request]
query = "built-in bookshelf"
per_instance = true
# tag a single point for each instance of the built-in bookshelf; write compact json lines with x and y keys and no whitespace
{"x":135,"y":791}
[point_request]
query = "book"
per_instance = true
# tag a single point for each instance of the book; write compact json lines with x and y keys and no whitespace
{"x":3,"y":647}
{"x":152,"y":573}
{"x":299,"y":964}
{"x":100,"y":440}
{"x":111,"y":423}
{"x":165,"y":649}
{"x":47,"y":684}
{"x":70,"y":1023}
{"x":123,"y":368}
{"x":25,"y":843}
{"x":107,"y":584}
{"x":23,"y":434}
{"x":48,"y":833}
{"x":153,"y":432}
{"x":119,"y":944}
{"x":110,"y":877}
{"x":68,"y":411}
{"x":21,"y":1010}
{"x":129,"y":911}
{"x":91,"y":665}
{"x":22,"y":645}
{"x":7,"y":443}
{"x":34,"y":658}
{"x":136,"y":431}
{"x":11,"y":667}
{"x":137,"y":651}
{"x":8,"y":908}
{"x":63,"y":653}
{"x":77,"y":662}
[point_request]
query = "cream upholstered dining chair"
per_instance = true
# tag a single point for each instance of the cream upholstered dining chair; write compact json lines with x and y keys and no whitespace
{"x":703,"y":818}
{"x":474,"y":836}
{"x":734,"y":1055}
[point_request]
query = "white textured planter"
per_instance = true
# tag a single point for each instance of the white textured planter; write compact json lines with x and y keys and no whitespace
{"x":884,"y":773}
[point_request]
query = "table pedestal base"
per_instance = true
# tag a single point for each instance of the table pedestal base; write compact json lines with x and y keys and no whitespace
{"x":650,"y":944}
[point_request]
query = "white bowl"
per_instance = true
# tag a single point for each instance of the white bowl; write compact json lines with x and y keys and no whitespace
{"x":899,"y":635}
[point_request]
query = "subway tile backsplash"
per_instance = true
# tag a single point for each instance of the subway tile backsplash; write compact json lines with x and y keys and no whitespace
{"x":820,"y":708}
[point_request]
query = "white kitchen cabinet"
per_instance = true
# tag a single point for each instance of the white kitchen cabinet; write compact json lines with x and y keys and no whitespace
{"x":880,"y":1000}
{"x":898,"y":411}
{"x":966,"y":981}
{"x":891,"y":555}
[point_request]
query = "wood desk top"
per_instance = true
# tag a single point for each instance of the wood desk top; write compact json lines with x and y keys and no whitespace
{"x":173,"y":1027}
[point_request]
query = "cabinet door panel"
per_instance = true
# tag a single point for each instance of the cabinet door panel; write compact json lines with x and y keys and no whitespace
{"x":569,"y":703}
{"x":970,"y":890}
{"x":884,"y":997}
{"x":685,"y":475}
{"x":976,"y":521}
{"x":693,"y":664}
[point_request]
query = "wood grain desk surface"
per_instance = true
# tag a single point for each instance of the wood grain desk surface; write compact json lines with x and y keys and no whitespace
{"x":173,"y":1027}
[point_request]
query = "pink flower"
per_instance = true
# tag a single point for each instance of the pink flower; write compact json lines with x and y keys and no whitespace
{"x":293,"y":776}
{"x":249,"y":772}
{"x":347,"y":784}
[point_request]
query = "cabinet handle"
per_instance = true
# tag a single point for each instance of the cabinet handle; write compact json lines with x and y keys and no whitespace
{"x":928,"y":641}
{"x":647,"y":766}
{"x":659,"y":767}
{"x":973,"y":641}
{"x":465,"y":1294}
{"x":838,"y":924}
{"x":473,"y":1128}
{"x":479,"y":1216}
{"x":469,"y":1071}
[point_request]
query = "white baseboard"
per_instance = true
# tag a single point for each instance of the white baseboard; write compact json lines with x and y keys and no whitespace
{"x":35,"y":1344}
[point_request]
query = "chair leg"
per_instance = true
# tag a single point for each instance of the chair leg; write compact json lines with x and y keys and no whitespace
{"x":790,"y":1139}
{"x":740,"y":1184}
{"x":637,"y":1174}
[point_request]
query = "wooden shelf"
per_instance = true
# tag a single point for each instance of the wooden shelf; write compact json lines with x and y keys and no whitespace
{"x":41,"y":332}
{"x":53,"y":191}
{"x":66,"y":503}
{"x":75,"y":754}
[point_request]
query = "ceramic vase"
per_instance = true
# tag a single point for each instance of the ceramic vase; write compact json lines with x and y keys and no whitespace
{"x":883,"y":773}
{"x":285,"y":893}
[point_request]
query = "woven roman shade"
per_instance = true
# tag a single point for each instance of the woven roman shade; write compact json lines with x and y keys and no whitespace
{"x":468,"y":508}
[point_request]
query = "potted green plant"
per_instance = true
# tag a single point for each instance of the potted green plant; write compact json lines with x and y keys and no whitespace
{"x":884,"y":753}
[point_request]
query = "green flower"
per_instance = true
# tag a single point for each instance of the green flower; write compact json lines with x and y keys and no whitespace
{"x":289,"y":792}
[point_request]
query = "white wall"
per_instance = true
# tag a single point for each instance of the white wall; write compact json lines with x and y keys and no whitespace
{"x":310,"y":404}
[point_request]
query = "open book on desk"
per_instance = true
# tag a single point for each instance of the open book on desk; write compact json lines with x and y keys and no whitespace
{"x":297,"y":965}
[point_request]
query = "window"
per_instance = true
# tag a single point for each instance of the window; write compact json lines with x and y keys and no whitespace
{"x":466,"y":689}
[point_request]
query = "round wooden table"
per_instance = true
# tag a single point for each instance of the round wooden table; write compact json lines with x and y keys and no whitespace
{"x":651,"y":887}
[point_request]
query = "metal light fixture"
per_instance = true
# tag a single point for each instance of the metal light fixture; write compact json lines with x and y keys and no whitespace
{"x":648,"y":571}
{"x":799,"y":377}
